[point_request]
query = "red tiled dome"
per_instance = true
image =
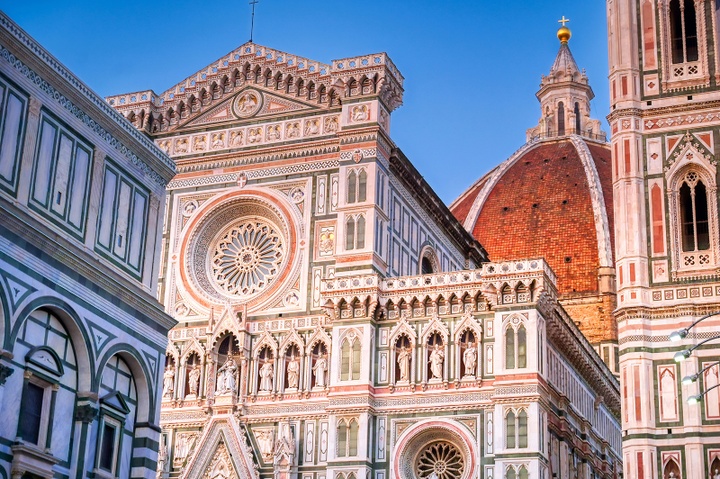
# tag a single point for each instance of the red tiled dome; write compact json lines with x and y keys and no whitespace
{"x":539,"y":203}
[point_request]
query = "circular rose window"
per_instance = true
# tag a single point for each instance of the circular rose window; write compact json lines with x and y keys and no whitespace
{"x":239,"y":249}
{"x":247,"y":257}
{"x":440,"y":460}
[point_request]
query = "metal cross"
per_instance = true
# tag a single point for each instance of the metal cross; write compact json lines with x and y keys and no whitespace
{"x":563,"y":20}
{"x":252,"y":21}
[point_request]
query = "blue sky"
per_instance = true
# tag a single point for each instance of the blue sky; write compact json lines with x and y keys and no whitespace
{"x":471,"y":68}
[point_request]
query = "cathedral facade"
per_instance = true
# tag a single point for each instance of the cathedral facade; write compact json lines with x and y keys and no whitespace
{"x":665,"y":120}
{"x":336,"y":321}
{"x":83,"y":335}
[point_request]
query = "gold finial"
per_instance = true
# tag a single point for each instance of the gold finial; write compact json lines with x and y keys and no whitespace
{"x":563,"y":32}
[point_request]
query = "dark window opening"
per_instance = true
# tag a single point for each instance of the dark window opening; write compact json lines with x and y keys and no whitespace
{"x":107,"y":448}
{"x":426,"y":266}
{"x":561,"y":119}
{"x":31,"y":413}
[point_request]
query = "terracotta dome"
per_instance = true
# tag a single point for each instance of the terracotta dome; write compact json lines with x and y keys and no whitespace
{"x":553,"y":199}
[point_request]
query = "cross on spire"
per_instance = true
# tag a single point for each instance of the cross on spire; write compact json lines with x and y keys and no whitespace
{"x":252,"y":18}
{"x":563,"y":20}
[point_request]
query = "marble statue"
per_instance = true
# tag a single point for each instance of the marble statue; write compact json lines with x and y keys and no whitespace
{"x":266,"y":374}
{"x":403,"y":359}
{"x":470,"y":359}
{"x":226,"y":377}
{"x":194,"y":380}
{"x":319,"y":369}
{"x":437,"y":357}
{"x":293,"y":370}
{"x":168,"y":381}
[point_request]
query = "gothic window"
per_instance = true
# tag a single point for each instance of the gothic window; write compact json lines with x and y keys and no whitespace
{"x":515,"y":347}
{"x":694,"y":219}
{"x":352,"y":187}
{"x":683,"y":31}
{"x":516,"y":433}
{"x":350,"y":233}
{"x":347,"y":437}
{"x":426,"y":266}
{"x":360,"y":232}
{"x":510,"y":474}
{"x":357,"y":186}
{"x":355,"y":233}
{"x":362,"y":186}
{"x":523,"y":473}
{"x":561,"y":119}
{"x":694,"y":214}
{"x":350,"y":358}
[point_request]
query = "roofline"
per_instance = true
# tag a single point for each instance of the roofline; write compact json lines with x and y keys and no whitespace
{"x":412,"y":179}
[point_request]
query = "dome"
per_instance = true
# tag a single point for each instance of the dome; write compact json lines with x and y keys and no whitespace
{"x":553,"y":199}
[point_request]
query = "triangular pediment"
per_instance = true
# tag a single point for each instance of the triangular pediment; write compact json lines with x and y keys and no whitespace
{"x":251,"y":103}
{"x":222,"y":453}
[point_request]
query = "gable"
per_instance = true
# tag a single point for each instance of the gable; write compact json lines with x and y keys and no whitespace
{"x":250,"y":103}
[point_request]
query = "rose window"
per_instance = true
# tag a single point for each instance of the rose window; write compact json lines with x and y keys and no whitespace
{"x":440,"y":460}
{"x":247,"y":258}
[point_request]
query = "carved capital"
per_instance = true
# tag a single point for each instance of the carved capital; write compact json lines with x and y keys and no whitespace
{"x":5,"y":371}
{"x":85,"y":413}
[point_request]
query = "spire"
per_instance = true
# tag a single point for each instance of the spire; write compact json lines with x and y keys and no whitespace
{"x":565,"y":96}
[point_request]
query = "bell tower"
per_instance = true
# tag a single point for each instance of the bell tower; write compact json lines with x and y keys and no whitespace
{"x":665,"y":122}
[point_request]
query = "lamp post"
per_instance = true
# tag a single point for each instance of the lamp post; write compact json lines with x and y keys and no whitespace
{"x":687,"y":380}
{"x":682,"y":333}
{"x":685,"y":353}
{"x":698,"y":397}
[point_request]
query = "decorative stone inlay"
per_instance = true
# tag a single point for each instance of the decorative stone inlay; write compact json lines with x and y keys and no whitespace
{"x":247,"y":258}
{"x":442,"y":459}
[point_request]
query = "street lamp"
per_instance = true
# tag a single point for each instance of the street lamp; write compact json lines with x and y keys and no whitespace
{"x":682,"y":333}
{"x":685,"y":353}
{"x":692,"y":400}
{"x":687,"y":380}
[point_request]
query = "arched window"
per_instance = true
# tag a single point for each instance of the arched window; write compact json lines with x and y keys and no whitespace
{"x":345,"y":360}
{"x":426,"y":266}
{"x":521,"y":347}
{"x":352,"y":187}
{"x":522,"y":429}
{"x":516,"y":433}
{"x":523,"y":473}
{"x":362,"y":186}
{"x":683,"y":31}
{"x":356,"y":358}
{"x":342,"y":439}
{"x":515,"y":347}
{"x":350,"y":359}
{"x":353,"y":438}
{"x":509,"y":348}
{"x":510,"y":433}
{"x":694,"y":214}
{"x":510,"y":473}
{"x":577,"y":118}
{"x":561,"y":119}
{"x":350,"y":233}
{"x":360,"y":233}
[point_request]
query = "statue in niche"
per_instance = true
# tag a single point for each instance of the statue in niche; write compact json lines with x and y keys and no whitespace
{"x":437,"y":357}
{"x":194,"y":380}
{"x":293,"y":370}
{"x":716,"y":475}
{"x":266,"y":374}
{"x":331,"y":124}
{"x":226,"y":377}
{"x":199,"y":143}
{"x":312,"y":127}
{"x":273,"y":132}
{"x":319,"y":369}
{"x":181,"y":145}
{"x":403,"y":359}
{"x":470,"y":359}
{"x":168,"y":381}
